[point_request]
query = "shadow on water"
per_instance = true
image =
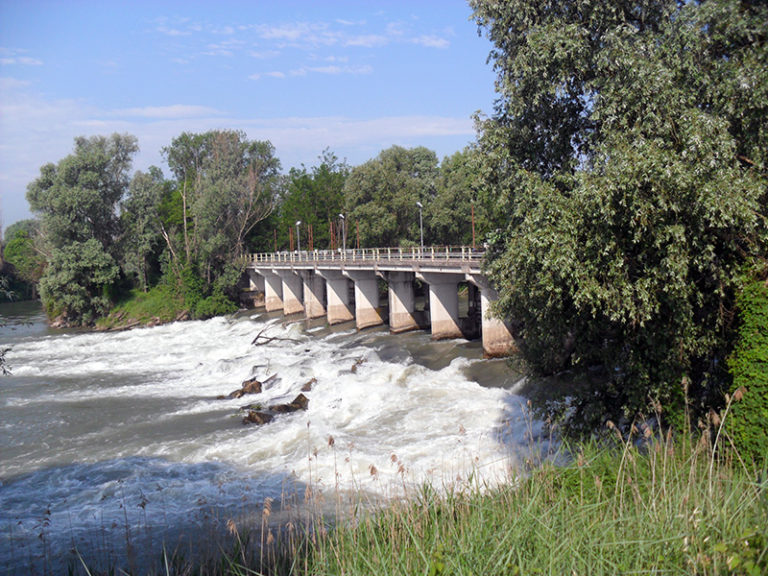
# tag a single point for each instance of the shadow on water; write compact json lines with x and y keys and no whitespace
{"x":127,"y":513}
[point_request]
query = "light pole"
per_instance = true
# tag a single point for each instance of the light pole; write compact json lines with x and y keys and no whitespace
{"x":421,"y":225}
{"x":343,"y":233}
{"x":298,"y":238}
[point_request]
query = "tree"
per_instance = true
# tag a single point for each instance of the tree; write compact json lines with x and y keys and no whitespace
{"x":141,"y":224}
{"x":450,"y":214}
{"x":627,"y":156}
{"x":21,"y":252}
{"x":381,"y":195}
{"x":316,"y":198}
{"x":76,"y":200}
{"x":225,"y":185}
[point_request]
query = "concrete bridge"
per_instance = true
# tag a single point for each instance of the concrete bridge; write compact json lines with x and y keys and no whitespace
{"x":440,"y":288}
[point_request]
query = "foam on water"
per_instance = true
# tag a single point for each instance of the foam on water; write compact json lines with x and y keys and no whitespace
{"x":113,"y":426}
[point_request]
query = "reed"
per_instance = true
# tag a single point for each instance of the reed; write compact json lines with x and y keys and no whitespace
{"x":641,"y":506}
{"x":632,"y":504}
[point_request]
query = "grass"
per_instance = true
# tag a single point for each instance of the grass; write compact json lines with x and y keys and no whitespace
{"x":640,"y":504}
{"x":662,"y":507}
{"x":159,"y":304}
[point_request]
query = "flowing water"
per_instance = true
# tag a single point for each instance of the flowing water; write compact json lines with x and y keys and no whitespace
{"x":112,"y":442}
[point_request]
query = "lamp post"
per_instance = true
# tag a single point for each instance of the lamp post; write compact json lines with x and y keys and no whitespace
{"x":421,"y":225}
{"x":343,"y":233}
{"x":298,"y":238}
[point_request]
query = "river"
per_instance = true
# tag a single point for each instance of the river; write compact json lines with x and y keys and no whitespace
{"x":116,"y":442}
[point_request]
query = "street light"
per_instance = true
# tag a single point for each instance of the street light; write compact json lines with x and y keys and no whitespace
{"x":421,"y":225}
{"x":298,"y":238}
{"x":343,"y":232}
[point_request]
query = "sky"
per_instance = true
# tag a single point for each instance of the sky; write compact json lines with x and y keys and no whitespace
{"x":354,"y":77}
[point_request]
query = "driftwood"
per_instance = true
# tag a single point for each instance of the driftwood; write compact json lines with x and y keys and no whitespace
{"x":267,"y":339}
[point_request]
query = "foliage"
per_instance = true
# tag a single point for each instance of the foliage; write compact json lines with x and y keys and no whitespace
{"x":381,"y":196}
{"x":225,"y":186}
{"x":657,"y":509}
{"x":141,"y":224}
{"x":626,"y":166}
{"x":77,"y":200}
{"x":746,"y":424}
{"x":449,"y":217}
{"x":315,"y":198}
{"x":20,"y":251}
{"x":76,"y":284}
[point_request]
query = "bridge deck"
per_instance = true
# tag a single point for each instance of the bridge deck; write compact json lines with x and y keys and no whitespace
{"x":459,"y":259}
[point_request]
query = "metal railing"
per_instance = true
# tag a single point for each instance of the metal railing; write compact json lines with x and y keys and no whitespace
{"x":430,"y":254}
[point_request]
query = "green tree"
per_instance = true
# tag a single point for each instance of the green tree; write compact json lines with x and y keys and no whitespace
{"x":627,"y":157}
{"x":449,"y":216}
{"x":315,"y":198}
{"x":21,"y":252}
{"x":76,"y":200}
{"x":141,"y":224}
{"x":225,"y":186}
{"x":381,"y":195}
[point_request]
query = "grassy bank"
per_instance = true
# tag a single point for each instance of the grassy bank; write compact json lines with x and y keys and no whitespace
{"x":641,"y":506}
{"x":661,"y":508}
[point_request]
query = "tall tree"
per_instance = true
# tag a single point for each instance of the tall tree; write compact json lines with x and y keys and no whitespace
{"x":381,"y":195}
{"x":226,"y":185}
{"x":627,"y":158}
{"x":314,"y":197}
{"x":141,"y":223}
{"x":21,"y":252}
{"x":76,"y":200}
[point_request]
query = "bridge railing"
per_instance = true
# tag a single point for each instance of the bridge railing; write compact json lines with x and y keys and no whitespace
{"x":433,"y":254}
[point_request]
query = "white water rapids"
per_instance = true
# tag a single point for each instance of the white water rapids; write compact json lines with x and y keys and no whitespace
{"x":108,"y":439}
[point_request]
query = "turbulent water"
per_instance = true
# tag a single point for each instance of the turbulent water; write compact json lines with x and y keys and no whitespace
{"x":112,"y":442}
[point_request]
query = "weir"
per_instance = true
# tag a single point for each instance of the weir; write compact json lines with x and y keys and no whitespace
{"x":348,"y":285}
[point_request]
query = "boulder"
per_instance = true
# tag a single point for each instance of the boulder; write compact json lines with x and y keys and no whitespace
{"x":251,"y":386}
{"x":301,"y":402}
{"x":258,"y":418}
{"x":308,"y":386}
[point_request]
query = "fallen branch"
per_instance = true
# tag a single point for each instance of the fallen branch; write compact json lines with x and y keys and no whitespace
{"x":268,"y":339}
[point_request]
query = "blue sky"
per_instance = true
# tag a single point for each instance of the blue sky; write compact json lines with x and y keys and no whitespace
{"x":353,"y":76}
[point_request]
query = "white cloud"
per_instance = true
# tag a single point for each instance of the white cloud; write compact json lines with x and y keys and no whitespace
{"x":367,"y":41}
{"x":431,"y":41}
{"x":168,"y":112}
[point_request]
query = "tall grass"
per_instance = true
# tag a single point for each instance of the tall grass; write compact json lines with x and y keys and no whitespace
{"x":640,"y":504}
{"x":653,"y":507}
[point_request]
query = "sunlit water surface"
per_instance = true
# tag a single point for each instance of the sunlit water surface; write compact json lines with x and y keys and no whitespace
{"x":116,"y":442}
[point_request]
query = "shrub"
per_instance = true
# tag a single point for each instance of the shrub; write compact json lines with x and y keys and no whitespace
{"x":749,"y":367}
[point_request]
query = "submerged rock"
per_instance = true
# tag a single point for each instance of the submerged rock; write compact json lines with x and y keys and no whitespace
{"x":252,"y":386}
{"x":258,"y":418}
{"x":301,"y":402}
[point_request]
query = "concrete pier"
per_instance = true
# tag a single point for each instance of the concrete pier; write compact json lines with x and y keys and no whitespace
{"x":496,"y":334}
{"x":339,"y":308}
{"x":401,"y":302}
{"x":314,"y":294}
{"x":367,"y":305}
{"x":273,"y":290}
{"x":443,"y":304}
{"x":293,"y":296}
{"x":317,"y":284}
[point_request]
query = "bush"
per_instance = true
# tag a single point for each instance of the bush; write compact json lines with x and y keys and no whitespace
{"x":749,"y":366}
{"x":214,"y":305}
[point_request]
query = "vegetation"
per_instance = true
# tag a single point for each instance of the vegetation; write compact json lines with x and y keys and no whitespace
{"x":627,"y":163}
{"x":749,"y":367}
{"x":77,"y":200}
{"x":644,"y":505}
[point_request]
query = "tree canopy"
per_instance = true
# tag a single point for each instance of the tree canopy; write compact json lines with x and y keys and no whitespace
{"x":626,"y":160}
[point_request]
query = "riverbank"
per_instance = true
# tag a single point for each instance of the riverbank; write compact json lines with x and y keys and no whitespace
{"x":642,"y":506}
